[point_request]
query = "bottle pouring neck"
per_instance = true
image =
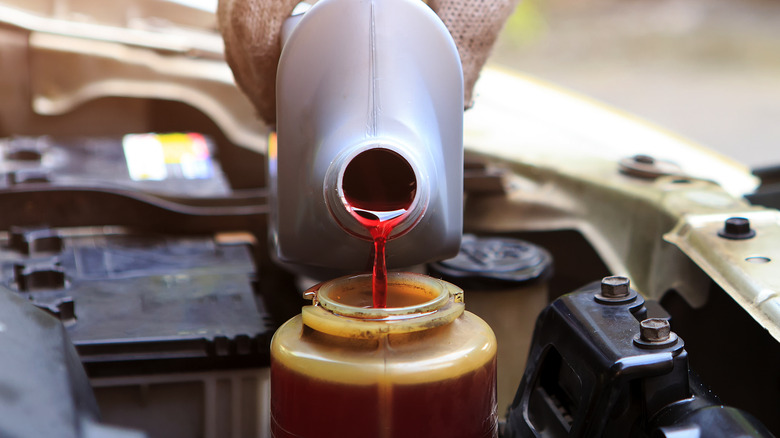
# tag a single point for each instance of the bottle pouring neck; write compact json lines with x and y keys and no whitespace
{"x":376,"y":187}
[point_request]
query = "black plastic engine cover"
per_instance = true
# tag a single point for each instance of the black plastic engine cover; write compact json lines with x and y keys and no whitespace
{"x":588,"y":377}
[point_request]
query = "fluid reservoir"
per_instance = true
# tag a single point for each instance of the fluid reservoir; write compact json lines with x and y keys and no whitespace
{"x":422,"y":367}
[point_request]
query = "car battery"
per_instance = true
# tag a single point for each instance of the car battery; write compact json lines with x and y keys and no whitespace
{"x":170,"y":329}
{"x":124,"y":239}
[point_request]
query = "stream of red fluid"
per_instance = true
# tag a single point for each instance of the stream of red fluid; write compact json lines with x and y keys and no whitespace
{"x":379,"y":224}
{"x":379,"y":187}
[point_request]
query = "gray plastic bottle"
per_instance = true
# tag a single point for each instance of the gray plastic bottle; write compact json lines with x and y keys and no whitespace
{"x":364,"y":79}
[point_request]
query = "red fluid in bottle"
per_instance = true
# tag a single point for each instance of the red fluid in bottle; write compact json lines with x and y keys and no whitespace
{"x":379,"y":186}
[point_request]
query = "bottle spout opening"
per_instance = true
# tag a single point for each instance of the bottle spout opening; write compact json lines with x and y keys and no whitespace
{"x":379,"y":184}
{"x":376,"y":186}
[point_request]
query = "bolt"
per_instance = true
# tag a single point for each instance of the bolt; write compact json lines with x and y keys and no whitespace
{"x":644,"y":159}
{"x":615,"y":287}
{"x":737,"y":225}
{"x":646,"y":166}
{"x":654,"y":330}
{"x":737,"y":228}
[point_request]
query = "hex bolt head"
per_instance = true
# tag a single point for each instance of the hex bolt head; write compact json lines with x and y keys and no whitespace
{"x":646,"y":166}
{"x":644,"y":159}
{"x":737,"y":228}
{"x":615,"y":287}
{"x":654,"y":330}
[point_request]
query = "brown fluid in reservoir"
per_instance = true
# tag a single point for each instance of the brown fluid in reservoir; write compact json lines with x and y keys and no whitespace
{"x":456,"y":407}
{"x":379,"y":186}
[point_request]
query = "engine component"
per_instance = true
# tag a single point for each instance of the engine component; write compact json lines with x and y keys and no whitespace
{"x":43,"y":388}
{"x":130,"y":298}
{"x":498,"y":275}
{"x":167,"y":328}
{"x":171,"y":164}
{"x":600,"y":368}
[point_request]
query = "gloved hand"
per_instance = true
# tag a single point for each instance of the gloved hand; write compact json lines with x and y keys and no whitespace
{"x":251,"y":29}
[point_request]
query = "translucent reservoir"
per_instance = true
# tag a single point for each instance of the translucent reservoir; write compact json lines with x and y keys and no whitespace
{"x":421,"y":367}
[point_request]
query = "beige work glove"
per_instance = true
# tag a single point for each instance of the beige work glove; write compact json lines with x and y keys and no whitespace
{"x":251,"y":29}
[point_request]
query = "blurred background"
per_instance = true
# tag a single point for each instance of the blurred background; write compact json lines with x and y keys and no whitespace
{"x":708,"y":70}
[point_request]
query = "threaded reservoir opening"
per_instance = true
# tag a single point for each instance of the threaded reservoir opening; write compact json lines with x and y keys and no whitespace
{"x":355,"y":292}
{"x":379,"y":180}
{"x":411,"y":296}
